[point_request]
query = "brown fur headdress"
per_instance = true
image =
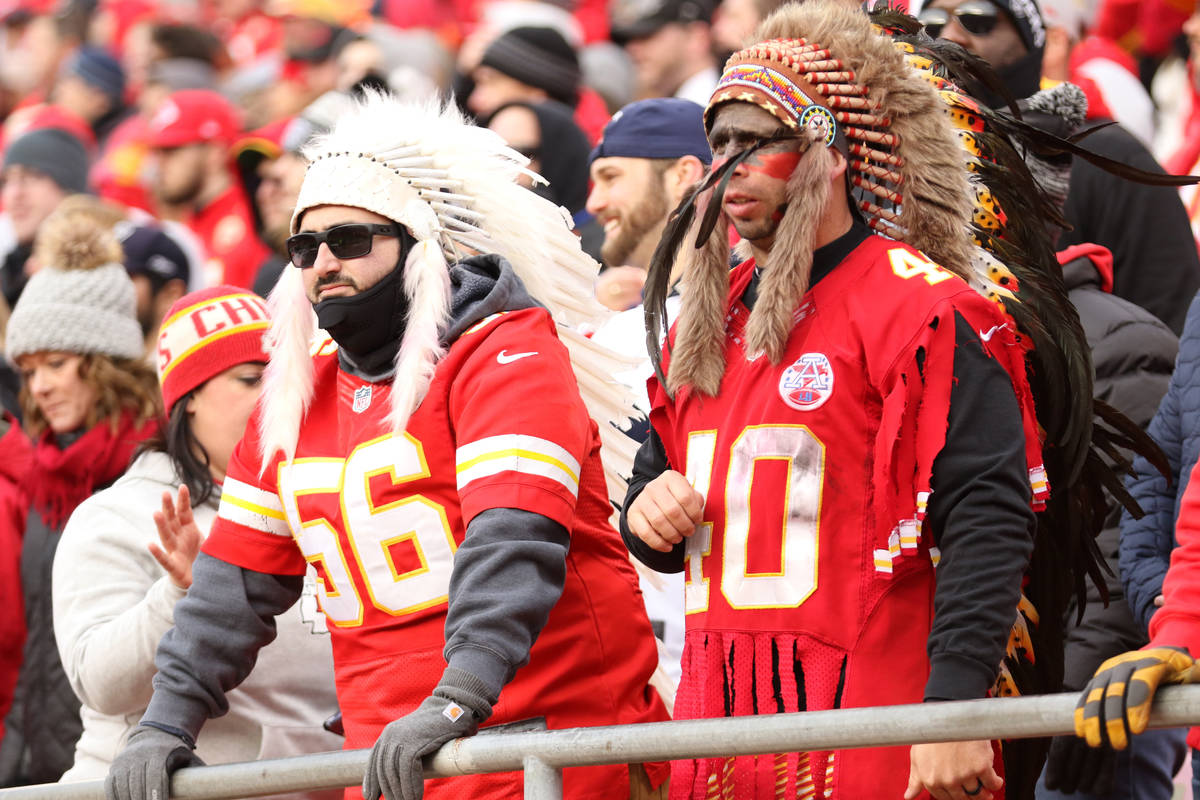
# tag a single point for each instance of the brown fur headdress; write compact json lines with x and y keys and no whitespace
{"x":906,"y":174}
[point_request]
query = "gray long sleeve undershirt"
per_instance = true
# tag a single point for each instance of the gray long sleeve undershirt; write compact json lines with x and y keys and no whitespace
{"x":508,"y":574}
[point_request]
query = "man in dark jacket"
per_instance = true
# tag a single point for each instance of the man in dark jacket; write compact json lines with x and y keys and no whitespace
{"x":1133,"y":354}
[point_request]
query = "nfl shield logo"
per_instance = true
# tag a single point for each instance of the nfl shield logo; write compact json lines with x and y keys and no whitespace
{"x":807,"y":383}
{"x":362,"y":399}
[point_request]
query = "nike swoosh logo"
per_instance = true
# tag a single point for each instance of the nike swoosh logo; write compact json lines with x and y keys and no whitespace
{"x":987,"y":337}
{"x":504,"y":358}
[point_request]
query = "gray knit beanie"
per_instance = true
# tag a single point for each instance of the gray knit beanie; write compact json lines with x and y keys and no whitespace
{"x":82,"y":300}
{"x":54,"y":153}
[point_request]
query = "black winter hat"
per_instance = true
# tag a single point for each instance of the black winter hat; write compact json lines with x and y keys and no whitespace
{"x":538,"y":57}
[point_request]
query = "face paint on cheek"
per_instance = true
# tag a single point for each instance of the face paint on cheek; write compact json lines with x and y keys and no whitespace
{"x":775,"y":165}
{"x":717,"y":163}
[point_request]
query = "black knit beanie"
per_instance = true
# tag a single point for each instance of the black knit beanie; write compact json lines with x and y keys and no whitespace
{"x":538,"y":57}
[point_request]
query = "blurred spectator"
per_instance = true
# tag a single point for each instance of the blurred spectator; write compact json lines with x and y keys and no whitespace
{"x":249,"y":33}
{"x":1107,"y":74}
{"x":557,"y":149}
{"x":40,"y":169}
{"x":671,"y":44}
{"x":114,"y":19}
{"x":14,"y":444}
{"x":652,"y":153}
{"x":92,"y":86}
{"x":278,"y":188}
{"x":158,"y":268}
{"x":1186,"y":156}
{"x":735,"y":20}
{"x":314,"y":32}
{"x":179,"y":57}
{"x":1155,"y":262}
{"x":10,"y":386}
{"x":115,"y":587}
{"x":529,"y":65}
{"x":192,"y":134}
{"x":33,"y":44}
{"x":89,"y":398}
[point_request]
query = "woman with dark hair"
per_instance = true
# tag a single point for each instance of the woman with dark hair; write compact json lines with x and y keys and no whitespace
{"x":87,"y":399}
{"x":122,"y":565}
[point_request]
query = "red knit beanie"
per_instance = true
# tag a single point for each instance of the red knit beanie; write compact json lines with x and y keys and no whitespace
{"x":206,"y":333}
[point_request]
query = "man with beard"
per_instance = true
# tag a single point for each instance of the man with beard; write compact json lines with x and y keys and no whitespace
{"x":841,"y":414}
{"x":192,"y":133}
{"x":651,"y":154}
{"x":436,"y":458}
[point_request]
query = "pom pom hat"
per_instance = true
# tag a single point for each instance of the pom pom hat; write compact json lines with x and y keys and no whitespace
{"x":206,"y":333}
{"x":81,"y":301}
{"x":453,"y":186}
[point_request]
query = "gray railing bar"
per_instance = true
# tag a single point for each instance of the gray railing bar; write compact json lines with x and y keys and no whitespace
{"x":999,"y":718}
{"x":542,"y":781}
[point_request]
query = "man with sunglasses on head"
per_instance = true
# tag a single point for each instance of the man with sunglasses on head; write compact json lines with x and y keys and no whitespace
{"x":1155,"y":262}
{"x":433,"y":451}
{"x":838,"y":460}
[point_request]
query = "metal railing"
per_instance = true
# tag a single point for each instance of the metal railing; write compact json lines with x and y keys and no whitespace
{"x":542,"y":755}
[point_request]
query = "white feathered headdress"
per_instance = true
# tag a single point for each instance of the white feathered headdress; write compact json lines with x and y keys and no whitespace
{"x":453,"y":185}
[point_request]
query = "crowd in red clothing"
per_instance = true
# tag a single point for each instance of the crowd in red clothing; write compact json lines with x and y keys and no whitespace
{"x":184,"y":121}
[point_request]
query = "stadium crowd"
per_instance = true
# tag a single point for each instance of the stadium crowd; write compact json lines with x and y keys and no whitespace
{"x":166,"y":165}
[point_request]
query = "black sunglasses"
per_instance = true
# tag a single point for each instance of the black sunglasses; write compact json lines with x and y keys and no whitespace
{"x":345,"y":241}
{"x":978,"y":17}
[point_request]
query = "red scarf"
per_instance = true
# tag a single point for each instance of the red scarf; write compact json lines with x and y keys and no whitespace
{"x":62,"y":479}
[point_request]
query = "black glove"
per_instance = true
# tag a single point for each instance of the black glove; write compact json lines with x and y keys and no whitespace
{"x":457,"y":706}
{"x":1072,"y":766}
{"x":142,"y":770}
{"x":1116,"y":702}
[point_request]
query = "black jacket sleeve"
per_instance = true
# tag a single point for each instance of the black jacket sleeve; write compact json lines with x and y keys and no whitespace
{"x":980,"y":518}
{"x":508,"y":574}
{"x":648,"y":464}
{"x":227,"y":615}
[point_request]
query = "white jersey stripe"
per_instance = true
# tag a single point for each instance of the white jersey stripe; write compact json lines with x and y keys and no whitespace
{"x":253,"y":516}
{"x":517,"y":453}
{"x":252,"y":496}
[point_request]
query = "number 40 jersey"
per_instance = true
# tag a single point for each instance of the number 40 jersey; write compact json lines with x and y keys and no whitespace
{"x":809,"y":584}
{"x":379,"y":516}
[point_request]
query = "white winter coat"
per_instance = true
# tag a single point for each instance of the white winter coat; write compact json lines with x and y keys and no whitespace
{"x":112,"y":604}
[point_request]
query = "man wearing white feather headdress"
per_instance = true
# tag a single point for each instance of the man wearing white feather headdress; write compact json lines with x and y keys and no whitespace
{"x":432,"y":457}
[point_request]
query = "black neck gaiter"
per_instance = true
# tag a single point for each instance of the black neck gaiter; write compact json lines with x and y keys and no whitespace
{"x":368,"y":326}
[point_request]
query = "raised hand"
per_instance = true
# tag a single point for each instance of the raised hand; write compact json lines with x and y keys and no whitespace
{"x":180,"y":536}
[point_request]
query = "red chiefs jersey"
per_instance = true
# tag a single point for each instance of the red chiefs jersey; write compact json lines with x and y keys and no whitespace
{"x":380,"y":515}
{"x":226,"y":227}
{"x":809,"y":585}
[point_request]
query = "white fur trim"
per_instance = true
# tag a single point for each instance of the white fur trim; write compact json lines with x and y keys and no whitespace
{"x":427,"y":286}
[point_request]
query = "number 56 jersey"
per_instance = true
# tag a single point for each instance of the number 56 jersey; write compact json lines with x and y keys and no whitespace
{"x":380,"y":516}
{"x":809,"y":583}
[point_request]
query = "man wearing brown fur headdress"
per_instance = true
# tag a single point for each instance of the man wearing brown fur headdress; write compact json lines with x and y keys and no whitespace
{"x":844,"y":455}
